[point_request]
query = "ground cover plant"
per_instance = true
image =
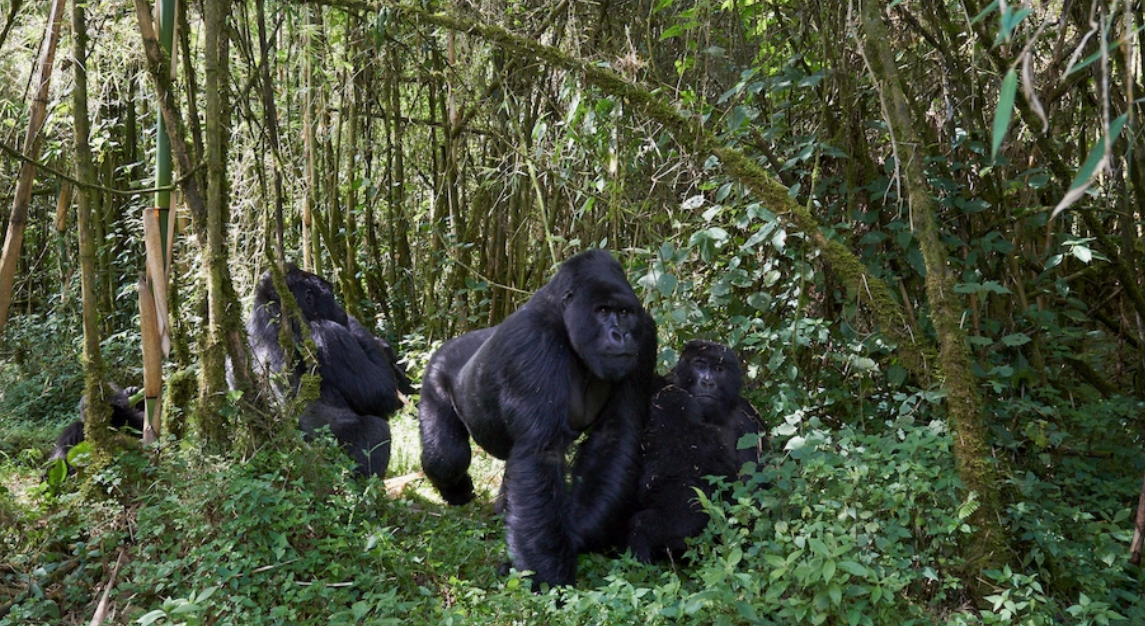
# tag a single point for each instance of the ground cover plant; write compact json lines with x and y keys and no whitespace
{"x":838,"y":524}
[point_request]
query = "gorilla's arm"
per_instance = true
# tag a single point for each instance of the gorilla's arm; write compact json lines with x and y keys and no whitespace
{"x":538,"y":538}
{"x":607,"y":464}
{"x":353,"y":375}
{"x":381,"y":354}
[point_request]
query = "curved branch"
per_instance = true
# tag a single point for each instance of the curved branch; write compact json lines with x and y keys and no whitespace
{"x":913,"y":350}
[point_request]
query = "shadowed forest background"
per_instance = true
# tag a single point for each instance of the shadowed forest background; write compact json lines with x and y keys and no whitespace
{"x":918,"y":223}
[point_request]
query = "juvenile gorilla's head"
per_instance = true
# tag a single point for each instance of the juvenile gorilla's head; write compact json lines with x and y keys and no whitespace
{"x":606,"y":325}
{"x":711,"y":373}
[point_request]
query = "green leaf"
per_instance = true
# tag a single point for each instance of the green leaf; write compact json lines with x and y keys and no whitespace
{"x":673,"y":31}
{"x":836,"y":594}
{"x":828,"y":570}
{"x":1010,"y":20}
{"x":152,"y":617}
{"x":666,"y":284}
{"x":818,"y":547}
{"x":1016,"y":339}
{"x":57,"y":472}
{"x":740,"y":115}
{"x":896,"y":375}
{"x":1082,"y":253}
{"x":853,"y":568}
{"x":79,"y":453}
{"x":1004,"y":110}
{"x":1093,"y":163}
{"x":990,"y":8}
{"x":991,"y":286}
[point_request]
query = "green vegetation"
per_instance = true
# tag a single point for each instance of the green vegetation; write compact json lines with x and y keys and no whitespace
{"x":855,"y":517}
{"x":918,"y":223}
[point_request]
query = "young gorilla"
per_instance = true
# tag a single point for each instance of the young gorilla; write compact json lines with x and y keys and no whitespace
{"x":360,"y":374}
{"x":579,"y":355}
{"x":712,"y":374}
{"x":679,"y":449}
{"x":693,"y":428}
{"x":123,"y":413}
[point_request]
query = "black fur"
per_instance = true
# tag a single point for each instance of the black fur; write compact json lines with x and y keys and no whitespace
{"x":123,"y":413}
{"x":579,"y":355}
{"x":678,"y":449}
{"x":694,"y":426}
{"x":361,"y":377}
{"x":712,"y":374}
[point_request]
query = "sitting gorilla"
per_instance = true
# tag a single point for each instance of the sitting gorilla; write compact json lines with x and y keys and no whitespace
{"x":693,"y":429}
{"x":711,"y":373}
{"x":123,"y":413}
{"x":678,"y":450}
{"x":361,"y":377}
{"x":579,"y":355}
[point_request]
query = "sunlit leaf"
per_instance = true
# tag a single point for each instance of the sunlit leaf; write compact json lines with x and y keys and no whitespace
{"x":693,"y":203}
{"x":1082,"y":253}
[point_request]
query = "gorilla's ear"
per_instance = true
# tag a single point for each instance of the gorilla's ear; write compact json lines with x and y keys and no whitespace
{"x":565,"y":299}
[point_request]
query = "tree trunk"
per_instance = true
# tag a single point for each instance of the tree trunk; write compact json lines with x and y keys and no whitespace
{"x":215,"y":429}
{"x":976,"y":468}
{"x":309,"y":52}
{"x":14,"y":239}
{"x":98,"y":414}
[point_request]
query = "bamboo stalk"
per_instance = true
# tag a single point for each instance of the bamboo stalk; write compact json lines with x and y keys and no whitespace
{"x":14,"y":239}
{"x":152,"y":361}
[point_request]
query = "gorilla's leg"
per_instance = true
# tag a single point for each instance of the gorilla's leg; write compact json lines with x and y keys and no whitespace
{"x":71,"y":436}
{"x":445,"y":451}
{"x":653,"y":535}
{"x":365,"y":437}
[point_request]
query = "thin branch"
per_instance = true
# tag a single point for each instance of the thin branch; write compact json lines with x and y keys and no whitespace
{"x":16,"y":154}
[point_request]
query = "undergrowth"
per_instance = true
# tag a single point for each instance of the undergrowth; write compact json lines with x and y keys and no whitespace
{"x":836,"y":526}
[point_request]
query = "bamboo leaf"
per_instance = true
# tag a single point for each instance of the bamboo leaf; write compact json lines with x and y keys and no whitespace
{"x":1093,"y":163}
{"x":1004,"y":110}
{"x":1030,"y":93}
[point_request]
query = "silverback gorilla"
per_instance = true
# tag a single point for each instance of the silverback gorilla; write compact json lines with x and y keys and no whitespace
{"x":693,"y":427}
{"x":123,"y":413}
{"x":579,"y":355}
{"x":360,"y":374}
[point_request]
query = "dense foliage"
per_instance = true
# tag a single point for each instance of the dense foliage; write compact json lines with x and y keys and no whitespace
{"x":437,"y":174}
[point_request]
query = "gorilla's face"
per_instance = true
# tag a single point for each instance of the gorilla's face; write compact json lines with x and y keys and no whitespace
{"x":711,"y":373}
{"x":606,"y":324}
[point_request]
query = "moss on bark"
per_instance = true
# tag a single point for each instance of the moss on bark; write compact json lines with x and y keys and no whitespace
{"x":987,"y":547}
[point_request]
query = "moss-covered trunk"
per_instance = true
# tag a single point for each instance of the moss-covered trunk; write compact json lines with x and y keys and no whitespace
{"x":222,"y":336}
{"x":987,"y":546}
{"x":99,"y":413}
